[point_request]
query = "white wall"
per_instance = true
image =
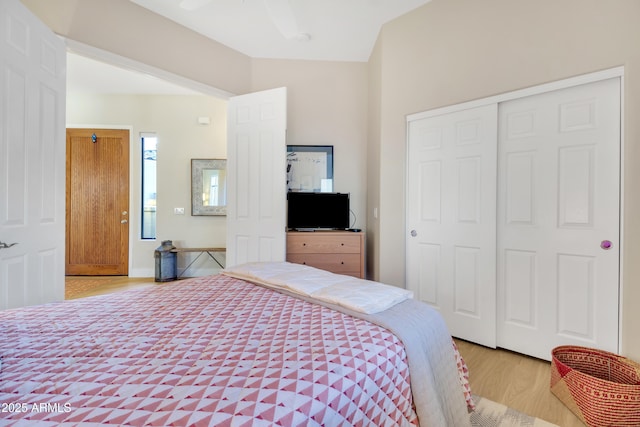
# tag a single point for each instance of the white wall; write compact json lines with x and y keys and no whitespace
{"x":129,"y":30}
{"x":180,"y":138}
{"x":326,"y":105}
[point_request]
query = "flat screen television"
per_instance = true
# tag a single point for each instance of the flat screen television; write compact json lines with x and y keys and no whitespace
{"x":317,"y":211}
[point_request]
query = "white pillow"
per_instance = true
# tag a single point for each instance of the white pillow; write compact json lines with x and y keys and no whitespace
{"x":360,"y":295}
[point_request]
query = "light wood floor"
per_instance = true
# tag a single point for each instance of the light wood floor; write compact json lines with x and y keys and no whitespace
{"x":112,"y":284}
{"x":519,"y":382}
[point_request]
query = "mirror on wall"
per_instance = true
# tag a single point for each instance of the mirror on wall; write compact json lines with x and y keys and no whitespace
{"x":208,"y":187}
{"x":310,"y":168}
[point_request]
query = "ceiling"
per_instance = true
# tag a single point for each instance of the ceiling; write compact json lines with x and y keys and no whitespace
{"x":329,"y":30}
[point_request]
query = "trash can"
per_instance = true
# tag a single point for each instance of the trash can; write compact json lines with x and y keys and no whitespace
{"x":166,"y":265}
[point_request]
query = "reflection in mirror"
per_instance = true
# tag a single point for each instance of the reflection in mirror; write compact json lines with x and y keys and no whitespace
{"x":208,"y":187}
{"x":214,"y":187}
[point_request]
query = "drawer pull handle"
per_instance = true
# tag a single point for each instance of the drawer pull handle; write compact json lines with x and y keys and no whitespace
{"x":341,"y":244}
{"x":342,"y":263}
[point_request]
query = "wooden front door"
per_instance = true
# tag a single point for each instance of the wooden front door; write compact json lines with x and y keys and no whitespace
{"x":97,"y":219}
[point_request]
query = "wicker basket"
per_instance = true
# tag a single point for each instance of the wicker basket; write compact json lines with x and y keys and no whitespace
{"x":601,"y":388}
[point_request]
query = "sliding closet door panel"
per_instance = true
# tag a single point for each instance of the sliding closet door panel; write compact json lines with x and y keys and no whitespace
{"x":558,"y":200}
{"x":451,"y":202}
{"x":520,"y":272}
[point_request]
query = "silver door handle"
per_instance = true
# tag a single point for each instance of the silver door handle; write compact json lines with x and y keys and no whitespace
{"x":124,"y":221}
{"x":414,"y":233}
{"x":6,"y":245}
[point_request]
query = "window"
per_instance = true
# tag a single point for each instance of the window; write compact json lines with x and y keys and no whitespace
{"x":149,"y":191}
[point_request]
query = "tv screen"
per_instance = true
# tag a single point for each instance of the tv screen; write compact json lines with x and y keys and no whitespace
{"x":317,"y":211}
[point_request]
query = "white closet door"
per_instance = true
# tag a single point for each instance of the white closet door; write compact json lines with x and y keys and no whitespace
{"x":559,"y":186}
{"x":451,"y":219}
{"x":32,"y":159}
{"x":256,"y":168}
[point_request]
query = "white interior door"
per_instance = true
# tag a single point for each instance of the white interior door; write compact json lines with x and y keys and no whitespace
{"x":559,"y":189}
{"x":256,"y":168}
{"x":451,"y":219}
{"x":32,"y":159}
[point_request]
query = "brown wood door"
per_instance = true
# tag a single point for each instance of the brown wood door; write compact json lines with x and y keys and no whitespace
{"x":97,"y":219}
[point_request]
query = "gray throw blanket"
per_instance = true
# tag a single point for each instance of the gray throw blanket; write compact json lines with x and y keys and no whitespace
{"x":435,"y":383}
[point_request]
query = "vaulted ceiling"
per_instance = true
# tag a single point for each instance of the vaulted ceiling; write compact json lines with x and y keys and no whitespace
{"x":334,"y":30}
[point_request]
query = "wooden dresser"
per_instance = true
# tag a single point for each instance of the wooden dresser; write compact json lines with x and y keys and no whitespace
{"x":336,"y":251}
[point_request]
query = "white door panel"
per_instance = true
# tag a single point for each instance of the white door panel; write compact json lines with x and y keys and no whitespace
{"x":559,"y":184}
{"x":32,"y":157}
{"x":256,"y":210}
{"x":451,"y":211}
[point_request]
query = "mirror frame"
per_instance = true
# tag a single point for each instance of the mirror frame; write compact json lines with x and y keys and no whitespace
{"x":197,"y":167}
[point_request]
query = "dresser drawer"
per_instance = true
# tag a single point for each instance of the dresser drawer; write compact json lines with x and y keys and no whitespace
{"x":336,"y":263}
{"x":318,"y":242}
{"x":340,"y":252}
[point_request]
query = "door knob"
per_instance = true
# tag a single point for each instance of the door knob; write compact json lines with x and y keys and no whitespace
{"x":124,"y":213}
{"x":124,"y":221}
{"x":6,"y":245}
{"x":414,"y":233}
{"x":606,"y":244}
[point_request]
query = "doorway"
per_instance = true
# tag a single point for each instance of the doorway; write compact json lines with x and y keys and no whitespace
{"x":97,"y":216}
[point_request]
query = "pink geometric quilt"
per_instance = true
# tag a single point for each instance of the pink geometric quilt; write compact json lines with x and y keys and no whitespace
{"x":211,"y":351}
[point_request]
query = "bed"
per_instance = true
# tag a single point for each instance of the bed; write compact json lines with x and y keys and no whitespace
{"x":263,"y":344}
